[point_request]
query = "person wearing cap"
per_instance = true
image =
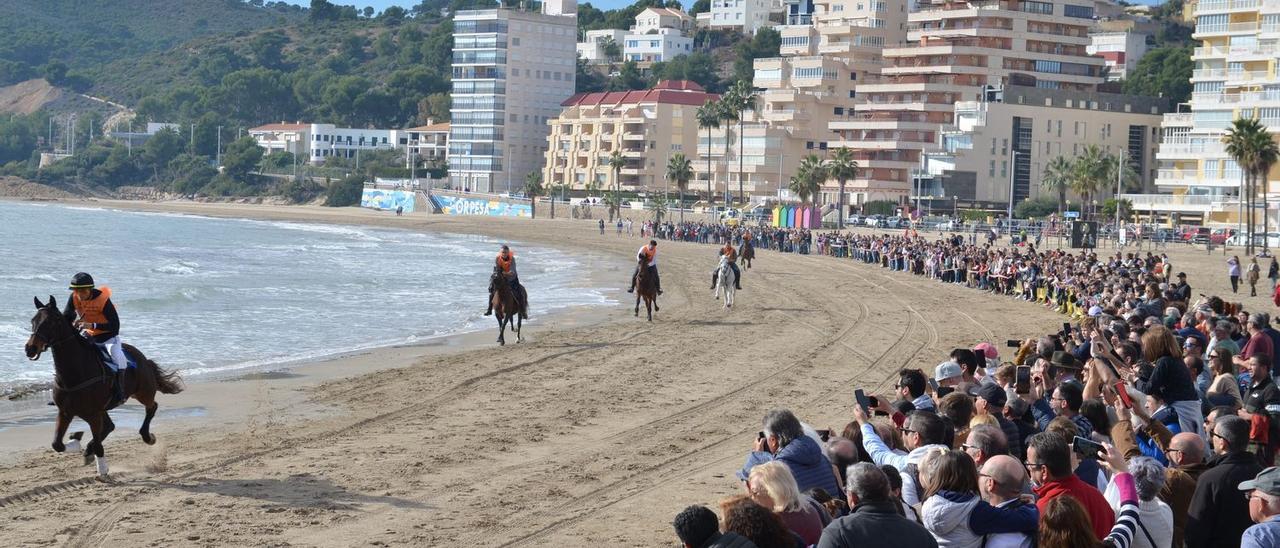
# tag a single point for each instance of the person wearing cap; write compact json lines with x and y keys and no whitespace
{"x":990,"y":399}
{"x":95,"y":316}
{"x":948,"y":373}
{"x":1181,"y":288}
{"x":1263,"y":492}
{"x":990,"y":358}
{"x":505,"y":263}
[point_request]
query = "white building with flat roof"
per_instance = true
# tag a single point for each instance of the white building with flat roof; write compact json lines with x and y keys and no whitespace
{"x":315,"y":143}
{"x":1121,"y":50}
{"x":511,"y":71}
{"x":657,"y":45}
{"x":745,"y":15}
{"x":594,"y":42}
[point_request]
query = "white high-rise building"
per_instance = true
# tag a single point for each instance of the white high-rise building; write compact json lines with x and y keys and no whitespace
{"x":1122,"y":50}
{"x":511,"y":71}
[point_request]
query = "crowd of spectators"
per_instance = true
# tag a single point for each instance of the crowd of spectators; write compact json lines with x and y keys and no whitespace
{"x":1149,"y":420}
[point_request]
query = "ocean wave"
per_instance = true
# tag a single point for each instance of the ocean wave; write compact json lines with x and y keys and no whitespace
{"x":337,"y":230}
{"x":29,"y":277}
{"x":181,"y":268}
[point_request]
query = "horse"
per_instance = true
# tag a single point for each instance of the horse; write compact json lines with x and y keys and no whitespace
{"x":726,"y":282}
{"x":506,"y":306}
{"x":82,"y":382}
{"x":646,"y":288}
{"x":747,"y":252}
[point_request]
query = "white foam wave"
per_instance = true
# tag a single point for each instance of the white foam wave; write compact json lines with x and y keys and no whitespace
{"x":29,"y":277}
{"x":181,"y":268}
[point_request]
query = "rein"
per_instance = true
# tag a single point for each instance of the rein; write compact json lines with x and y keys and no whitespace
{"x":57,"y":379}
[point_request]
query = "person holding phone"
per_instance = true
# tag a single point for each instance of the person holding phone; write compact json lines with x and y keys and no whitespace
{"x":784,"y":440}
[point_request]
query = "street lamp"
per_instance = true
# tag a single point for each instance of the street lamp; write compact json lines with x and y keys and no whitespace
{"x":1013,"y":168}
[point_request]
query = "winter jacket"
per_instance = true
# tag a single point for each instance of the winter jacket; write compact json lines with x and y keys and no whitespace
{"x":1155,"y":517}
{"x":805,"y":460}
{"x":882,"y":455}
{"x":1170,"y":380}
{"x":1100,"y":514}
{"x":1219,"y":512}
{"x":959,"y":520}
{"x":729,"y":540}
{"x":875,"y":524}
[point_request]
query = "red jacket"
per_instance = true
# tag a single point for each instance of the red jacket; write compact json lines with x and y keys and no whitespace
{"x":1101,"y":517}
{"x":1276,"y":297}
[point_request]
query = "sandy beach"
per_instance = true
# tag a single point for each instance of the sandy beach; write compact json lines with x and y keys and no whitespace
{"x":594,"y":432}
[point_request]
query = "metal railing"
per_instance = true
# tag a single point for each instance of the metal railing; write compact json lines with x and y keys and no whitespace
{"x":1218,"y":5}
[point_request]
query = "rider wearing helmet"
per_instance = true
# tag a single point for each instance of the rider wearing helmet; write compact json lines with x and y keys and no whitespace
{"x":732,"y":255}
{"x":506,"y":261}
{"x":96,"y":318}
{"x":650,"y":253}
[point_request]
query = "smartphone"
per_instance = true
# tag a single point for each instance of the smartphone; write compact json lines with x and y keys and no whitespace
{"x":1022,"y":382}
{"x":1086,"y":447}
{"x":942,"y":391}
{"x":824,"y":434}
{"x":875,"y":402}
{"x":1066,"y":328}
{"x":933,"y":384}
{"x":861,"y":399}
{"x":760,"y":435}
{"x":1123,"y":393}
{"x":1013,"y":343}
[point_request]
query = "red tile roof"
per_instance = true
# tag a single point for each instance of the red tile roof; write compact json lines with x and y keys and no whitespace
{"x":671,"y":92}
{"x":438,"y":127}
{"x":281,"y":127}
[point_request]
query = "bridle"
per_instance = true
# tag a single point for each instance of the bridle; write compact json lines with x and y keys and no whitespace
{"x":57,"y":379}
{"x":46,"y":344}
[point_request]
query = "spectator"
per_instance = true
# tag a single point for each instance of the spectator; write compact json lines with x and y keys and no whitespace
{"x":911,"y":387}
{"x":957,"y":407}
{"x":1049,"y":463}
{"x":921,"y":430}
{"x":1258,"y":343}
{"x":1225,"y":381}
{"x":984,"y":443}
{"x":1218,"y":514}
{"x":762,"y":527}
{"x":895,"y":492}
{"x":954,"y":513}
{"x":1065,"y":402}
{"x":1264,"y":509}
{"x":1169,"y":379}
{"x":1222,"y":338}
{"x":874,"y":517}
{"x":698,"y":527}
{"x":991,"y":399}
{"x":1155,"y":516}
{"x":785,"y":441}
{"x":969,"y":361}
{"x":1066,"y":524}
{"x":772,"y":486}
{"x":1262,"y":409}
{"x":1086,"y":467}
{"x":1000,"y":480}
{"x":1185,"y":456}
{"x":1233,"y":272}
{"x":948,"y":374}
{"x":1096,"y":411}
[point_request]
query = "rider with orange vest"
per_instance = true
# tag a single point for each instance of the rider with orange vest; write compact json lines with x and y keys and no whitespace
{"x":506,"y":263}
{"x":732,"y":255}
{"x":96,"y":318}
{"x":650,"y":254}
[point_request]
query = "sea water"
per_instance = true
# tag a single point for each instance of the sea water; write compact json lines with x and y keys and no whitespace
{"x":206,"y":296}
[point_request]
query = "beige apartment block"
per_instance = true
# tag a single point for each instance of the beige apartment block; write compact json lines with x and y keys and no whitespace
{"x":957,"y":52}
{"x":1034,"y":126}
{"x":647,"y":127}
{"x":802,"y":92}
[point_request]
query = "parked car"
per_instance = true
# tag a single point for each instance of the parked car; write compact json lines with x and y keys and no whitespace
{"x":874,"y":221}
{"x":1219,"y":235}
{"x":895,"y":222}
{"x":1200,"y":235}
{"x":854,"y":219}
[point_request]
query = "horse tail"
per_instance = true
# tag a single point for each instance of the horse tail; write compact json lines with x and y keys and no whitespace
{"x":167,"y":382}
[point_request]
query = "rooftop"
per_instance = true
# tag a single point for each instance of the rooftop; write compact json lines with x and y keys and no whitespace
{"x":281,"y":127}
{"x":672,"y":92}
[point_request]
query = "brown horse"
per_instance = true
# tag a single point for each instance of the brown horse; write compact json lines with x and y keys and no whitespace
{"x":646,"y":288}
{"x":506,"y":306}
{"x":82,"y":382}
{"x":747,"y":252}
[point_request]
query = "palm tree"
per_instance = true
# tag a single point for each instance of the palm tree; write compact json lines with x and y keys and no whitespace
{"x":744,"y":99}
{"x":533,"y":189}
{"x":1088,"y":172}
{"x":680,"y":170}
{"x":808,"y":178}
{"x":659,"y":205}
{"x":842,"y":167}
{"x":709,"y":118}
{"x":1251,"y":146}
{"x":728,"y":115}
{"x":616,"y":163}
{"x":1057,"y":176}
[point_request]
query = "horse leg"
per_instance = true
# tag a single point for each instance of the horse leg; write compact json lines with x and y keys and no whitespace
{"x":502,"y":328}
{"x":96,"y":428}
{"x":59,"y":430}
{"x":519,"y":323}
{"x":638,"y":297}
{"x":648,"y":308}
{"x":149,"y":402}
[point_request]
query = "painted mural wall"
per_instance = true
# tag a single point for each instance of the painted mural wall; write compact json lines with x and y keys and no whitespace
{"x":387,"y":199}
{"x":453,"y":205}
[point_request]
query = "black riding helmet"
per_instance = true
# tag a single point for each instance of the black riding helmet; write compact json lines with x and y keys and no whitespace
{"x":81,"y":281}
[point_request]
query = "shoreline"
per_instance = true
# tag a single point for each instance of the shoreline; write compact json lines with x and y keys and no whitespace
{"x":26,"y":421}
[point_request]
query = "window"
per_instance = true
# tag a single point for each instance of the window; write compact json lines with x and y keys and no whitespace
{"x":839,"y":111}
{"x":1082,"y":12}
{"x":991,"y":170}
{"x":1038,"y":7}
{"x":515,"y":41}
{"x":1004,"y":168}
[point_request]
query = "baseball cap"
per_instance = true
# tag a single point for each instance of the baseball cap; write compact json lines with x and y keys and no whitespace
{"x":1182,"y":274}
{"x":988,"y":350}
{"x":992,"y":392}
{"x":946,"y":370}
{"x":1267,"y":481}
{"x":1095,"y":310}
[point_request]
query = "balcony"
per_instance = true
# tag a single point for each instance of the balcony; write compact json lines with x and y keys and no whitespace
{"x":1207,"y":6}
{"x":1223,"y":51}
{"x":1175,"y":151}
{"x":633,"y":137}
{"x":1171,"y":202}
{"x":1178,"y":119}
{"x":1270,"y":6}
{"x":1251,"y":98}
{"x":1221,"y":28}
{"x":1249,"y":76}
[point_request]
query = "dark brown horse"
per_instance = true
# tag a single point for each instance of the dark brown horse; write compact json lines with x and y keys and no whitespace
{"x":646,"y":288}
{"x":506,"y":306}
{"x":747,"y":252}
{"x":82,"y":382}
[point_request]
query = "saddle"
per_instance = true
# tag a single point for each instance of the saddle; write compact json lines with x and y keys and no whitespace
{"x":107,"y":361}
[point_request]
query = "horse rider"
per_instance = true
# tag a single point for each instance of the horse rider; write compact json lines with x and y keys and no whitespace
{"x":650,"y":254}
{"x":96,"y":318}
{"x":506,"y":261}
{"x":731,"y":255}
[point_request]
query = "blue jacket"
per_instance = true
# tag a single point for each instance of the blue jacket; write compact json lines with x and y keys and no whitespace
{"x":805,"y":460}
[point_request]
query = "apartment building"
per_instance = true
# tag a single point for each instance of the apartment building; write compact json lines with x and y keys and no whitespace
{"x":745,"y":15}
{"x":1121,"y":50}
{"x":646,"y":127}
{"x":315,"y":143}
{"x":657,"y":45}
{"x":592,"y":46}
{"x":976,"y":163}
{"x":511,"y":71}
{"x":426,"y":144}
{"x":1235,"y":77}
{"x":958,"y":51}
{"x":802,"y":92}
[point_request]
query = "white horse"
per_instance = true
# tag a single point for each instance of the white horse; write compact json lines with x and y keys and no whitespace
{"x":726,"y":281}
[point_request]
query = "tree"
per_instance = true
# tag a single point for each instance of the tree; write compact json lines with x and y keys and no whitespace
{"x":1109,"y":209}
{"x":709,"y":118}
{"x":659,"y":204}
{"x":434,"y":108}
{"x":741,"y":98}
{"x":699,"y":6}
{"x":680,"y":170}
{"x":628,"y":79}
{"x":616,"y":163}
{"x":1057,"y":176}
{"x":766,"y":43}
{"x":323,"y":11}
{"x":612,"y":51}
{"x":808,"y":178}
{"x":842,"y":167}
{"x":1250,"y":144}
{"x":162,"y":148}
{"x":268,"y":48}
{"x":1088,"y":172}
{"x":1164,"y":72}
{"x":346,"y":192}
{"x":1037,"y":207}
{"x":241,"y":158}
{"x":533,"y":188}
{"x":588,"y":80}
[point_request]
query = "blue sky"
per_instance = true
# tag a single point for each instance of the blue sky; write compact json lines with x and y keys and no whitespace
{"x":406,"y":4}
